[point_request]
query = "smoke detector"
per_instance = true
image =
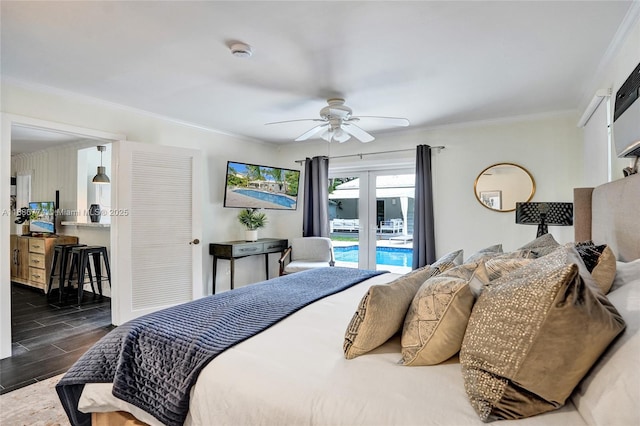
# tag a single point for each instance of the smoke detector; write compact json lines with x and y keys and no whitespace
{"x":241,"y":50}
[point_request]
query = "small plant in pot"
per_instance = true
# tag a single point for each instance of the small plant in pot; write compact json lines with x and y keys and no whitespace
{"x":252,"y":220}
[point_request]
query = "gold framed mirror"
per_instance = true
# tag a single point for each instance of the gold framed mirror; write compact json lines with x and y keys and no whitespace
{"x":500,"y":186}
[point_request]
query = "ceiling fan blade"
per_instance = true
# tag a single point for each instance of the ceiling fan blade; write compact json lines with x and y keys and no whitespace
{"x":293,"y":121}
{"x":312,"y":132}
{"x":357,"y":132}
{"x":392,"y":121}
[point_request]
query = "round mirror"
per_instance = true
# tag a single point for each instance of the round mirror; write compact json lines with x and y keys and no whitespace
{"x":500,"y":186}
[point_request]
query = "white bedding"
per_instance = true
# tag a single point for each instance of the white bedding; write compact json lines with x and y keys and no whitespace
{"x":295,"y":373}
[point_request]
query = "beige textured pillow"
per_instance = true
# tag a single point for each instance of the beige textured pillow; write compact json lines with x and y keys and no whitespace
{"x":600,"y":261}
{"x":382,"y":310}
{"x":437,"y":318}
{"x":494,"y":268}
{"x":533,"y":334}
{"x":605,"y":271}
{"x":502,"y":265}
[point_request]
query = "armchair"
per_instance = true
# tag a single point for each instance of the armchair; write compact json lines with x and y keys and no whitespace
{"x":307,"y":253}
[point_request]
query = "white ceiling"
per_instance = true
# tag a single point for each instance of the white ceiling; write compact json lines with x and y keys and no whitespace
{"x":434,"y":63}
{"x":29,"y":139}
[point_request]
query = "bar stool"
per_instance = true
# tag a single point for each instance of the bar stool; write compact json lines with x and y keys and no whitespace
{"x":80,"y":263}
{"x":61,"y":255}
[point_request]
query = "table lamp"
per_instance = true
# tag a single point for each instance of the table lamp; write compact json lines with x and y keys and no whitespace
{"x":544,"y":214}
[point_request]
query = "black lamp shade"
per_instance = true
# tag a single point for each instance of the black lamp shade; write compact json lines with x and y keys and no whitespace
{"x":558,"y":214}
{"x":543,"y":214}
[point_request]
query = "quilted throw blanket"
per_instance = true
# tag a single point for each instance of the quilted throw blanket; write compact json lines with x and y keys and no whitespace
{"x":154,"y":360}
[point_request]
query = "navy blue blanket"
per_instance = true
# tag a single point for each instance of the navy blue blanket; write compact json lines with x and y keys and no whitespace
{"x":154,"y":360}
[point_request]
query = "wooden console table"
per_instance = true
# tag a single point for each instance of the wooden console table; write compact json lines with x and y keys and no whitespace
{"x":232,"y":250}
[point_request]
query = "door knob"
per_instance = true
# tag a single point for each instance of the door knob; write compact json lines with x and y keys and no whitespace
{"x":195,"y":242}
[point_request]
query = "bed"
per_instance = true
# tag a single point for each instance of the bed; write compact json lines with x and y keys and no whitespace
{"x":295,"y":372}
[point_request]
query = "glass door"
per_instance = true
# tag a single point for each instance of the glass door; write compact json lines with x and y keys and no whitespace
{"x":371,"y":219}
{"x":394,"y":202}
{"x":344,"y":218}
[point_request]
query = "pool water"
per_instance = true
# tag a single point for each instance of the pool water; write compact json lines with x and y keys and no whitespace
{"x":394,"y":256}
{"x":281,"y":200}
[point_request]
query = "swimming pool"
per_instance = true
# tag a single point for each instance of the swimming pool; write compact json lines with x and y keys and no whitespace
{"x":394,"y":256}
{"x":281,"y":200}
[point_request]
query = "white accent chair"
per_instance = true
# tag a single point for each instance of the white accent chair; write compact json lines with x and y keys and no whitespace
{"x":307,"y":253}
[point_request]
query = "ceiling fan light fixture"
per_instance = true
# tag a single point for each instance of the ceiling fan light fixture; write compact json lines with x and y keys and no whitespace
{"x":241,"y":50}
{"x":340,"y":135}
{"x":339,"y":124}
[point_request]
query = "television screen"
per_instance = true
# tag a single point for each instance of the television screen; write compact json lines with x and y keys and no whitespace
{"x":261,"y":187}
{"x":42,"y":217}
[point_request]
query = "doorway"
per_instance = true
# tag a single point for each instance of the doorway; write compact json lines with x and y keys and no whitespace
{"x":371,"y":218}
{"x":25,"y":135}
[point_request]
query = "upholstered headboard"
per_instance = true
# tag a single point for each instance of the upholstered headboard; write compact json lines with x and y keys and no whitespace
{"x":613,"y":217}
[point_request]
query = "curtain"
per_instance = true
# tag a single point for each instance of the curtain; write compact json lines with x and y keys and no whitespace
{"x":315,"y":222}
{"x":424,"y":245}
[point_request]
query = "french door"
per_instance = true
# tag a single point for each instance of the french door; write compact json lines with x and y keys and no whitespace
{"x":371,"y":218}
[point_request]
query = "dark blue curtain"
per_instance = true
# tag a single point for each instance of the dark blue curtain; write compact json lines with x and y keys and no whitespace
{"x":315,"y":222}
{"x":424,"y":245}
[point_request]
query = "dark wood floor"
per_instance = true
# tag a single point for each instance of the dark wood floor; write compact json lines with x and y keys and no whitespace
{"x":47,"y":336}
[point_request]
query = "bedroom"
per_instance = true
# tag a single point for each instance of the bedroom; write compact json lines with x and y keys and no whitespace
{"x":547,"y":143}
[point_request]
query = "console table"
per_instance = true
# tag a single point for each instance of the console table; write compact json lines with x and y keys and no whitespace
{"x":232,"y":250}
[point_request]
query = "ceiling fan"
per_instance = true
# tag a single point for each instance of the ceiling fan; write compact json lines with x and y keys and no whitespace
{"x":338,"y":123}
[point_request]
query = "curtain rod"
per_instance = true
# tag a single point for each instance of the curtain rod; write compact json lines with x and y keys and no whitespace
{"x":374,"y":153}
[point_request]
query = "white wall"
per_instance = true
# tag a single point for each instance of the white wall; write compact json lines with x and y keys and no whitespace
{"x":548,"y":147}
{"x":614,"y":72}
{"x":220,"y":223}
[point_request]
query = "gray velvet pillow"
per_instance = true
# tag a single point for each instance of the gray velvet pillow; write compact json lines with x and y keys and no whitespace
{"x":532,"y":335}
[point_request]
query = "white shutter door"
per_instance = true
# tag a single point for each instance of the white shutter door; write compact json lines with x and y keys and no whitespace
{"x":157,"y":266}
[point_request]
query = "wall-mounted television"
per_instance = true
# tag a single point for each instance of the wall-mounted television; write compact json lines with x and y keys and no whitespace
{"x":42,"y":217}
{"x":252,"y":186}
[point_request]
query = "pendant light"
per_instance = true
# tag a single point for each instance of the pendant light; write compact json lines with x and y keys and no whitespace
{"x":101,"y":178}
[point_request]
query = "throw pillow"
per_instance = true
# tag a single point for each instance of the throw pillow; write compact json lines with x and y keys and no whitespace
{"x":532,"y":335}
{"x":542,"y":245}
{"x":485,"y":253}
{"x":437,"y":318}
{"x":382,"y":309}
{"x":502,"y":265}
{"x":496,"y":267}
{"x":600,"y":261}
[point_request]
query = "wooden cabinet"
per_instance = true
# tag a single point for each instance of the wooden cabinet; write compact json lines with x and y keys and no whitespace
{"x":19,"y":258}
{"x":31,"y":258}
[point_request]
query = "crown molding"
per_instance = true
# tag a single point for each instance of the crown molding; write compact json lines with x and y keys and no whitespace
{"x":74,"y":96}
{"x":624,"y":30}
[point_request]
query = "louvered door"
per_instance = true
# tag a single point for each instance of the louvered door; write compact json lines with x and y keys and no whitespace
{"x":156,"y":224}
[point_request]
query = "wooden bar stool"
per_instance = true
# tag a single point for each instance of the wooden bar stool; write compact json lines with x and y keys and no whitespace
{"x":61,"y":261}
{"x":81,"y":262}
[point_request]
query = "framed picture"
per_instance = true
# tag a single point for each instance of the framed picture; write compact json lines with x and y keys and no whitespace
{"x":492,"y":199}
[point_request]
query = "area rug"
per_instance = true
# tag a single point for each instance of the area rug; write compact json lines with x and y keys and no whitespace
{"x":34,"y":405}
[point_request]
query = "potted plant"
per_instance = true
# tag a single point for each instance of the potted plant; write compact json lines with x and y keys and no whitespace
{"x":252,"y":220}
